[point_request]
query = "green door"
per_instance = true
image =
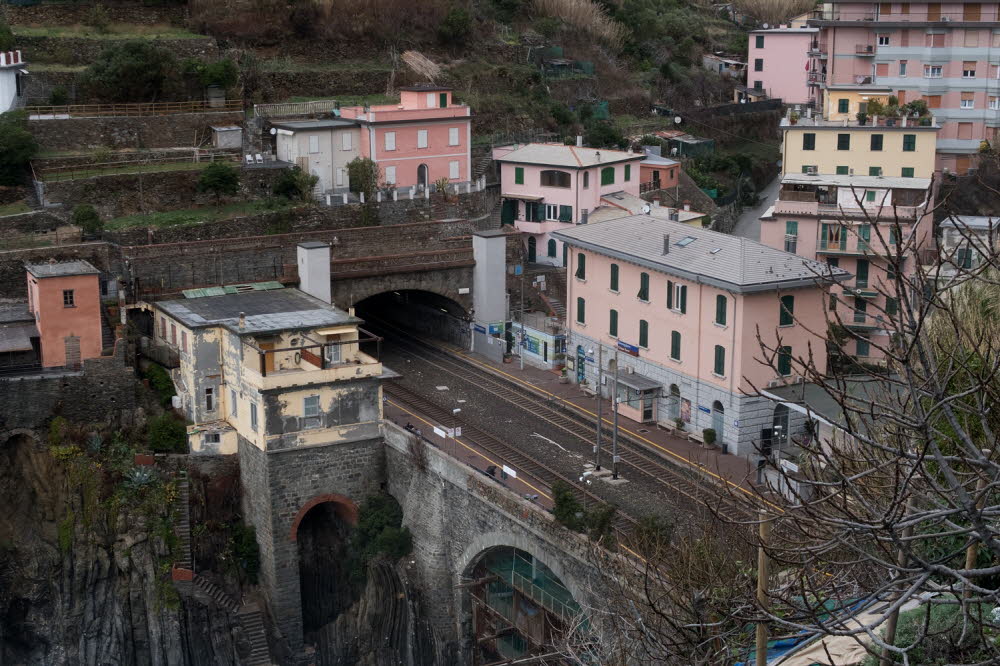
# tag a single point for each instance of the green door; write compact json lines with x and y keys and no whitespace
{"x":565,"y":254}
{"x":444,"y":100}
{"x":532,"y":250}
{"x":508,"y":211}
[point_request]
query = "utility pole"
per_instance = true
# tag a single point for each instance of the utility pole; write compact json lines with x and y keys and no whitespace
{"x":600,"y":423}
{"x":765,"y":531}
{"x":520,"y":351}
{"x":614,"y":432}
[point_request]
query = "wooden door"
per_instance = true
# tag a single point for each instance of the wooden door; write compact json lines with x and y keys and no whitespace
{"x":268,"y":358}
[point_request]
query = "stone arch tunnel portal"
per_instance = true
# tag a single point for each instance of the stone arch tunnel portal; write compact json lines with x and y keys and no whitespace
{"x":423,"y":313}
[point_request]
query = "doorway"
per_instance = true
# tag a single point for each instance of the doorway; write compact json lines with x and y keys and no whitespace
{"x":718,"y":420}
{"x":532,"y":249}
{"x":552,"y":248}
{"x":656,"y":179}
{"x":508,"y":211}
{"x":422,"y":176}
{"x":581,"y":359}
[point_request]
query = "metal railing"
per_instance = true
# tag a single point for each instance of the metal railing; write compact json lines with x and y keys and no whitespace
{"x":294,"y":108}
{"x":134,"y":109}
{"x":864,"y":49}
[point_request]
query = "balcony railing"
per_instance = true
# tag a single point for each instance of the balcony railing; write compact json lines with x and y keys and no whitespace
{"x":864,"y":49}
{"x":816,"y":78}
{"x":817,"y":50}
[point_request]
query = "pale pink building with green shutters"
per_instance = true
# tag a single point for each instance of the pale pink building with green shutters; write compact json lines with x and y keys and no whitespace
{"x":683,"y":307}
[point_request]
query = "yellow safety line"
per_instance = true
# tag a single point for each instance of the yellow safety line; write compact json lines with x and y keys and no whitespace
{"x":478,"y":453}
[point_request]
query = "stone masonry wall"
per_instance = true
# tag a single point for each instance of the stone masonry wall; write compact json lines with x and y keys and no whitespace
{"x":179,"y":129}
{"x":13,"y":285}
{"x":42,"y":48}
{"x":79,"y":13}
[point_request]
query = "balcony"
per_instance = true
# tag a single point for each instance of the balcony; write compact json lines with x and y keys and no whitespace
{"x":817,"y":50}
{"x":864,"y":49}
{"x":311,"y":362}
{"x":816,"y":78}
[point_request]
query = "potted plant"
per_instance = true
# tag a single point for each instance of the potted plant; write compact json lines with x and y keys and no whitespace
{"x":563,"y":377}
{"x":708,"y":436}
{"x":862,"y":117}
{"x":794,"y":118}
{"x":679,"y":423}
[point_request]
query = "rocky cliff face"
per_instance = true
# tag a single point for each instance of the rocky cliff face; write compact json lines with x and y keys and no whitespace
{"x":80,"y":585}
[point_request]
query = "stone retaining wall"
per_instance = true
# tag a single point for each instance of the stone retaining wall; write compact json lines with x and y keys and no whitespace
{"x":44,"y":48}
{"x":13,"y":284}
{"x":180,"y":129}
{"x":116,"y":11}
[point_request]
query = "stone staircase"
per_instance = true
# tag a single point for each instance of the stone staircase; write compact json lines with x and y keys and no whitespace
{"x":216,"y":594}
{"x":253,"y":624}
{"x":107,"y":330}
{"x":482,"y":165}
{"x":182,"y":521}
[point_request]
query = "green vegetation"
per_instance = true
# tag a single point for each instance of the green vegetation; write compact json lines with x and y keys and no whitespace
{"x":167,"y":434}
{"x":17,"y":147}
{"x":110,"y":31}
{"x":242,"y":555}
{"x":135,"y":167}
{"x":295,"y":185}
{"x":160,"y":382}
{"x":7,"y":40}
{"x":570,"y":513}
{"x":15,"y":208}
{"x":219,"y":178}
{"x":456,"y":27}
{"x":133,"y":71}
{"x":59,"y":96}
{"x":379,"y":533}
{"x":85,"y":216}
{"x":65,"y":529}
{"x":205,"y":215}
{"x":287,"y":64}
{"x":949,"y":638}
{"x":223,"y":73}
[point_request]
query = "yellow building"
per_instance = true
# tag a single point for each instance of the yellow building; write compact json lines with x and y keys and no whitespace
{"x":274,"y":367}
{"x":901,"y":150}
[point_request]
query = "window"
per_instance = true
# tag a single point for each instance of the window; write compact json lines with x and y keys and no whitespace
{"x":565,"y":213}
{"x":891,"y":306}
{"x":881,"y":69}
{"x":791,"y":236}
{"x":613,"y":323}
{"x":860,"y":310}
{"x":720,"y":361}
{"x":184,"y":341}
{"x":893,"y":233}
{"x":644,"y":333}
{"x":843,"y":105}
{"x":932,"y":71}
{"x":341,"y":173}
{"x":452,"y":136}
{"x":969,"y":69}
{"x":909,"y":143}
{"x":390,"y":175}
{"x":390,"y":141}
{"x":970,"y":11}
{"x":833,"y":262}
{"x":628,"y":172}
{"x":758,"y":65}
{"x":675,"y":345}
{"x":233,"y":404}
{"x":784,"y":361}
{"x":550,"y":178}
{"x":677,"y":297}
{"x":212,"y":438}
{"x":964,"y":258}
{"x":614,"y":277}
{"x":842,"y":170}
{"x":994,"y":103}
{"x":253,"y":416}
{"x":759,"y":41}
{"x":833,"y":302}
{"x":874,"y":171}
{"x":314,"y":143}
{"x":346,"y":141}
{"x":935,"y":40}
{"x":863,"y":347}
{"x":551,"y":211}
{"x":581,"y":266}
{"x":608,"y":176}
{"x":173,"y":334}
{"x":786,"y":314}
{"x":209,"y":399}
{"x":843,"y":142}
{"x":552,"y":247}
{"x":69,"y":300}
{"x":519,"y":175}
{"x":163,"y":327}
{"x":877,"y":142}
{"x":965,"y":130}
{"x":720,"y":310}
{"x":870,"y":196}
{"x":902,"y":69}
{"x":933,"y":101}
{"x":864,"y":237}
{"x":758,"y":85}
{"x":907,"y":172}
{"x":421,"y":138}
{"x":967,"y":101}
{"x":883,"y":40}
{"x":809,"y":168}
{"x":443,"y":100}
{"x":310,"y":406}
{"x":861,"y":274}
{"x":643,"y":294}
{"x":586,"y":179}
{"x":581,"y":311}
{"x":453,"y":169}
{"x":809,"y":141}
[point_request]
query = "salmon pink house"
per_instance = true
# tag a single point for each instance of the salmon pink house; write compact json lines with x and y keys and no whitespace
{"x":548,"y":187}
{"x":679,"y":310}
{"x":65,"y":299}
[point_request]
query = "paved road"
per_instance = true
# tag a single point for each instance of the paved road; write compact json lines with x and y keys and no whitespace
{"x":748,"y":225}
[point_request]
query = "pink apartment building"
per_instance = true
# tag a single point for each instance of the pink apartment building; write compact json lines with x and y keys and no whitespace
{"x":942,"y":53}
{"x":778,"y":62}
{"x":682,"y":306}
{"x":424,"y":138}
{"x":547,"y":187}
{"x":65,"y":299}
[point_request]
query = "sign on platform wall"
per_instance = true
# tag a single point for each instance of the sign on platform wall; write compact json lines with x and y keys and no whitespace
{"x":627,"y":348}
{"x":703,"y":408}
{"x":496,"y":329}
{"x":479,"y":329}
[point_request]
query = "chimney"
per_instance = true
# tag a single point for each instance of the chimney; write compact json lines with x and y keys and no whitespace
{"x":597,"y":156}
{"x":666,"y":243}
{"x":243,"y":320}
{"x":579,"y":141}
{"x":687,"y":205}
{"x":314,"y":269}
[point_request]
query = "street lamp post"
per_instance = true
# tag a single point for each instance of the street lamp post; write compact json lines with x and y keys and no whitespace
{"x":600,"y":381}
{"x":614,"y":432}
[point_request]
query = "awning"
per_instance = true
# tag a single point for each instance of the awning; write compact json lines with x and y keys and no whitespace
{"x":522,"y":197}
{"x":638,"y":382}
{"x":17,"y":338}
{"x":336,"y":330}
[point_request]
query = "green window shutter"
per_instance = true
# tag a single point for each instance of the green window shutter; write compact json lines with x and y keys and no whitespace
{"x":759,"y":41}
{"x":784,"y":361}
{"x":581,"y":266}
{"x":964,"y":257}
{"x":684,"y":299}
{"x":843,"y":238}
{"x":843,"y":105}
{"x":786,"y":316}
{"x":720,"y":360}
{"x":444,"y":100}
{"x":519,"y":175}
{"x":608,"y":176}
{"x":614,"y":277}
{"x":675,"y":345}
{"x":863,"y":348}
{"x":870,"y":196}
{"x":909,"y":142}
{"x":808,"y":141}
{"x":670,"y":295}
{"x":643,"y":294}
{"x":581,"y":310}
{"x":643,"y":333}
{"x":842,"y":171}
{"x":907,"y":172}
{"x":893,"y":236}
{"x":720,"y":310}
{"x":791,"y":228}
{"x":613,"y":324}
{"x":891,"y":306}
{"x":864,"y":236}
{"x":565,"y":213}
{"x":552,"y":248}
{"x":843,"y":142}
{"x":628,"y":172}
{"x":874,"y":171}
{"x":876,"y":142}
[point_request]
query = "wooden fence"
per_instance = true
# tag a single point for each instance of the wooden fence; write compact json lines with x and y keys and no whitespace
{"x":133,"y":109}
{"x":141,"y":165}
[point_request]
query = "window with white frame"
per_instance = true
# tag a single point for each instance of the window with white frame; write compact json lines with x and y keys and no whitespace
{"x":883,"y":40}
{"x":431,"y":100}
{"x":390,"y":141}
{"x":994,"y":103}
{"x":932,"y":71}
{"x":212,"y":438}
{"x":968,"y":69}
{"x":452,"y":136}
{"x":453,"y":169}
{"x":346,"y":141}
{"x":253,"y":416}
{"x":234,"y":406}
{"x":310,"y":410}
{"x":421,"y":138}
{"x":331,"y":352}
{"x":390,"y":175}
{"x":967,"y":102}
{"x":551,"y":212}
{"x":313,"y":144}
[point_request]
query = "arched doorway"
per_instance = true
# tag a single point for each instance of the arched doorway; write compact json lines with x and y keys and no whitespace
{"x":552,"y":248}
{"x":322,"y":534}
{"x":718,"y":420}
{"x":779,"y":427}
{"x":674,"y":403}
{"x":532,"y":250}
{"x":422,"y":176}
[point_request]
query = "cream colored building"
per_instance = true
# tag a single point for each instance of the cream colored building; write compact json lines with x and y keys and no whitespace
{"x":272,"y":366}
{"x":322,"y":148}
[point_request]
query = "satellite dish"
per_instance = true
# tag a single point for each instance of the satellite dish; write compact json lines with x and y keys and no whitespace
{"x":273,"y":131}
{"x":677,"y":120}
{"x":646,"y":209}
{"x":765,"y":26}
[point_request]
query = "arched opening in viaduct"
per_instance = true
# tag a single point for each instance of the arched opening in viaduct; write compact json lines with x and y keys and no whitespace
{"x":395,"y":314}
{"x":519,"y":606}
{"x":322,"y":533}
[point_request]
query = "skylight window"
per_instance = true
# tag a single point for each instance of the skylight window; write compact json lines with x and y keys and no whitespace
{"x":715,"y":250}
{"x":684,"y":242}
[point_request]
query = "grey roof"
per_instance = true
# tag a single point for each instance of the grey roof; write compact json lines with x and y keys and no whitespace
{"x":17,"y":337}
{"x":425,"y":87}
{"x":15,"y":312}
{"x":266,"y":311}
{"x":768,"y":31}
{"x":552,"y":154}
{"x":62,"y":269}
{"x":313,"y":245}
{"x":982,"y":222}
{"x":856,"y":181}
{"x":728,"y":262}
{"x":307,"y":125}
{"x":654,"y":158}
{"x":638,"y":382}
{"x":866,"y":398}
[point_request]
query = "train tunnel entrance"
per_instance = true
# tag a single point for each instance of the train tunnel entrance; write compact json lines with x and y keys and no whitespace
{"x":422,"y":313}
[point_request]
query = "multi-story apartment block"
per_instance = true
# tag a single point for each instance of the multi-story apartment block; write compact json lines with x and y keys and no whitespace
{"x":947,"y":54}
{"x":963,"y":242}
{"x":778,"y":61}
{"x":547,"y":187}
{"x":684,"y":307}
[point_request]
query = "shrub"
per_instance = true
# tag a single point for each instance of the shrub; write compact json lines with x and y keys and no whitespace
{"x":85,"y":216}
{"x":98,"y":18}
{"x":547,"y":26}
{"x":295,"y":184}
{"x":566,"y":508}
{"x":602,"y":134}
{"x":135,"y":71}
{"x":219,"y":178}
{"x":57,"y":430}
{"x":7,"y":41}
{"x":17,"y":147}
{"x":160,"y":382}
{"x":708,"y":435}
{"x":242,"y":555}
{"x":167,"y":434}
{"x":948,"y":639}
{"x":379,"y":533}
{"x":365,"y":176}
{"x":59,"y":96}
{"x":456,"y":27}
{"x":223,"y":73}
{"x":586,"y":16}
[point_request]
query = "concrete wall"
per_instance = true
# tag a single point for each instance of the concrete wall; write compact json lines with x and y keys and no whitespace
{"x":179,"y":129}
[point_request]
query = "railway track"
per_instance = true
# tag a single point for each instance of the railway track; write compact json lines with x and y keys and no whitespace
{"x":503,"y":452}
{"x":634,"y":455}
